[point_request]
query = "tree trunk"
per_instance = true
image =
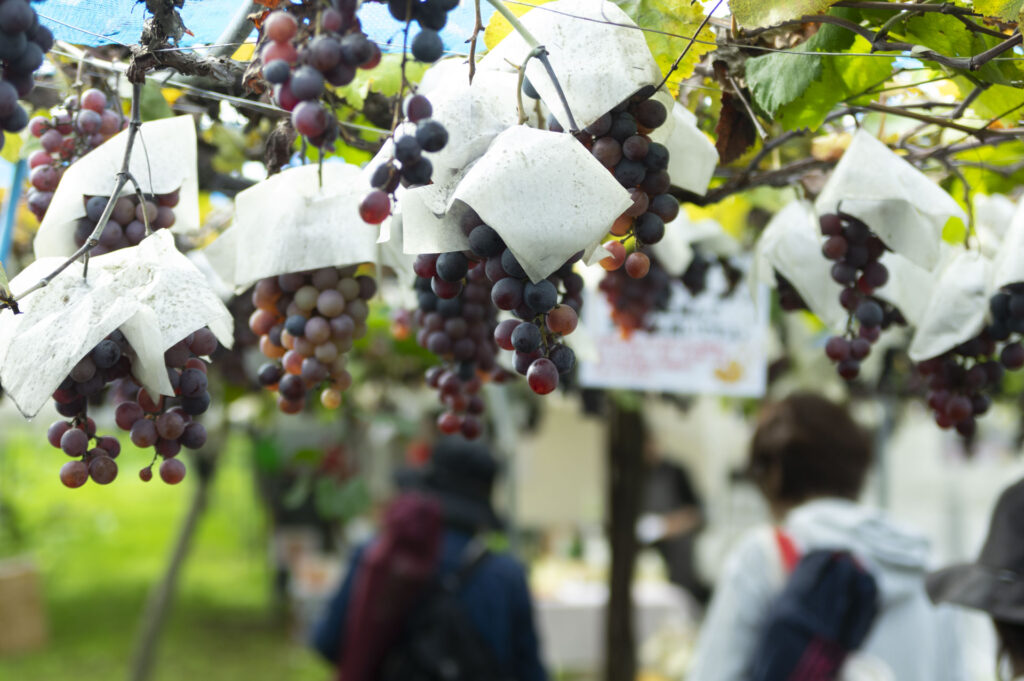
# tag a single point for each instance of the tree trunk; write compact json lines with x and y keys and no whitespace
{"x":162,"y":594}
{"x":625,"y":484}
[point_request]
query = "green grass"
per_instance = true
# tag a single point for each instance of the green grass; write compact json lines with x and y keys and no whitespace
{"x":100,"y":549}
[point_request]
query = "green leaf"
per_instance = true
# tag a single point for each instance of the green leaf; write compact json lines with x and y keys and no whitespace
{"x":758,"y":13}
{"x":1007,"y":10}
{"x":298,"y":492}
{"x":385,"y":78}
{"x":995,"y":101}
{"x":779,"y":78}
{"x":842,"y":78}
{"x":341,"y":500}
{"x":945,"y":35}
{"x":676,"y":17}
{"x":154,"y":106}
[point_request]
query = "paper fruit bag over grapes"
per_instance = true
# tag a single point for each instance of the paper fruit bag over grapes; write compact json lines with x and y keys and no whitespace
{"x":151,"y":292}
{"x":163,"y":162}
{"x":298,"y":224}
{"x":897,"y":201}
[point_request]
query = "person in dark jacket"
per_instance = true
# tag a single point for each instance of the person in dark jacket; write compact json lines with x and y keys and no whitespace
{"x":495,"y":595}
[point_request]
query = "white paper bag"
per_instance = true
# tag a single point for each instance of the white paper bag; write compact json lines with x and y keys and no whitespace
{"x":992,"y":217}
{"x":1009,"y":261}
{"x":545,"y":194}
{"x":151,"y":292}
{"x":289,"y":223}
{"x":692,"y":156}
{"x":791,"y":245}
{"x":163,"y":160}
{"x":957,"y":308}
{"x":599,"y":63}
{"x":897,"y":201}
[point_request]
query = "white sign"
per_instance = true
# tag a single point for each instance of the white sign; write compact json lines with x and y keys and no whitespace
{"x":704,"y":345}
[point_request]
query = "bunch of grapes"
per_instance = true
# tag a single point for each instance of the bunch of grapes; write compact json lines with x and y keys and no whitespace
{"x":633,"y":300}
{"x":302,"y":55}
{"x":151,"y":422}
{"x":961,"y":381}
{"x":306,"y":323}
{"x":619,"y":140}
{"x":23,"y":44}
{"x":856,"y":250}
{"x":408,"y":166}
{"x":431,"y":15}
{"x":128,"y":222}
{"x":80,"y":125}
{"x":460,"y":331}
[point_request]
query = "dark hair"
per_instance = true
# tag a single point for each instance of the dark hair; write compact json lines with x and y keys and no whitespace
{"x":806,"y":446}
{"x":1011,"y":639}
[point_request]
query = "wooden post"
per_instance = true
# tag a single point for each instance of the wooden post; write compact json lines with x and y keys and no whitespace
{"x":626,"y":435}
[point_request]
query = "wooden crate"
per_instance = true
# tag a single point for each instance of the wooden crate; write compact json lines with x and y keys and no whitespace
{"x":22,"y":614}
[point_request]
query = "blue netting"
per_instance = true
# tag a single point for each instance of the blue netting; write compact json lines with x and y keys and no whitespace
{"x":101,"y":22}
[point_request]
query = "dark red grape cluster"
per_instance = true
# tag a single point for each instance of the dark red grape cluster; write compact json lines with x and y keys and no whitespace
{"x":620,"y":141}
{"x":302,"y":56}
{"x":127,"y":224}
{"x":306,"y":323}
{"x":151,"y":422}
{"x":460,"y":331}
{"x":962,"y":380}
{"x":431,"y":15}
{"x":166,"y":423}
{"x":856,"y":250}
{"x":408,"y":166}
{"x":632,"y":300}
{"x":24,"y":43}
{"x":82,"y":123}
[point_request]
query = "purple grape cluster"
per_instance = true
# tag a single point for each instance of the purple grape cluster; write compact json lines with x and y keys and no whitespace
{"x":633,"y":300}
{"x":962,"y":380}
{"x":127,"y":224}
{"x":431,"y":15}
{"x":460,"y":331}
{"x":24,"y":43}
{"x":856,"y":250}
{"x":302,"y":56}
{"x":81,"y":124}
{"x":151,"y":421}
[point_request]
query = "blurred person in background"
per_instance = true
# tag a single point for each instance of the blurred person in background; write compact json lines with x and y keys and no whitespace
{"x":809,"y":459}
{"x":671,"y":518}
{"x":994,"y":583}
{"x":426,"y":599}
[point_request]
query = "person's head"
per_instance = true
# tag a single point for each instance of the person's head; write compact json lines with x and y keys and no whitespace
{"x":806,"y":447}
{"x":994,"y":583}
{"x":460,"y":474}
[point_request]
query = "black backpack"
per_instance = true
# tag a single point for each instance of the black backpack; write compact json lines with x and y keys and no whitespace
{"x":441,"y":643}
{"x":824,"y":612}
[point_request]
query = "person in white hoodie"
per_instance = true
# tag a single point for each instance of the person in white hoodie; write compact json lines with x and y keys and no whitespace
{"x":810,"y":458}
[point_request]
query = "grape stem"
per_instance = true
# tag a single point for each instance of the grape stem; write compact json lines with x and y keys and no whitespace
{"x":123,"y":177}
{"x":541,"y":55}
{"x":519,"y":85}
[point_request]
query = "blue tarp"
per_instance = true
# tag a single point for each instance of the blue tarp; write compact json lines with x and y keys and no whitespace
{"x":102,"y":22}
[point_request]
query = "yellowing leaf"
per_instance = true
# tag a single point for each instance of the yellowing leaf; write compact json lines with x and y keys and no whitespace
{"x":244,"y":52}
{"x":1007,"y":10}
{"x":676,"y":17}
{"x":12,"y":147}
{"x":757,"y":13}
{"x":498,"y":27}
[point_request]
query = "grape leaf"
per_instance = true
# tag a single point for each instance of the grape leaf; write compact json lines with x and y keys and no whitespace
{"x":758,"y":13}
{"x":946,"y":35}
{"x":1007,"y":10}
{"x":841,"y":79}
{"x":777,"y":79}
{"x":680,"y":18}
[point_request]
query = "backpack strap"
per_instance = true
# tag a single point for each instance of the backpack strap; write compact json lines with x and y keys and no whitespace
{"x":475,"y":553}
{"x":788,"y":551}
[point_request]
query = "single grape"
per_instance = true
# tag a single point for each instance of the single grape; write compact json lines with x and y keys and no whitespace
{"x":375,"y":208}
{"x":74,"y":474}
{"x":172,"y":471}
{"x":417,"y":108}
{"x":427,"y":46}
{"x":542,"y":376}
{"x":431,"y":135}
{"x":280,"y":26}
{"x":103,"y":470}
